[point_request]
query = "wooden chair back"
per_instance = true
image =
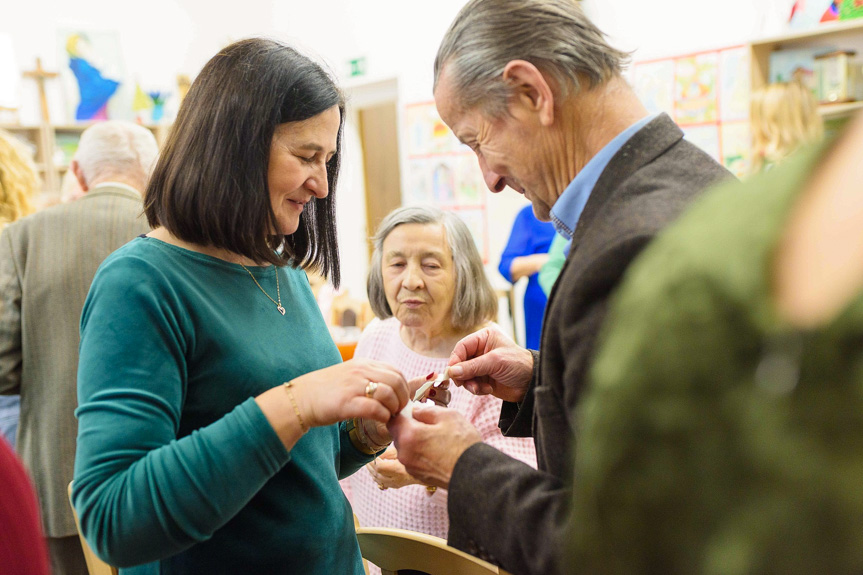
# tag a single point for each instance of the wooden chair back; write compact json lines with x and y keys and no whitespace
{"x":95,"y":566}
{"x":396,"y":549}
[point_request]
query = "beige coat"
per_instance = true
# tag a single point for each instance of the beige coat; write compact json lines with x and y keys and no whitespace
{"x":47,"y":262}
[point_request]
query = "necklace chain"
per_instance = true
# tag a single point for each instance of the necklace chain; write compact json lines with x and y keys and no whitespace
{"x":278,"y":292}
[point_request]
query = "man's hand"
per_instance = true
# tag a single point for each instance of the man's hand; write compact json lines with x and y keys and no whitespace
{"x":430,"y":442}
{"x":488,"y":362}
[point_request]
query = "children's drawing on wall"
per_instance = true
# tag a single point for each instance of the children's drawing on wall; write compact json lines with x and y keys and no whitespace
{"x":735,"y":147}
{"x":419,"y":182}
{"x":809,"y":13}
{"x":469,"y":182}
{"x":705,"y":137}
{"x":654,"y":84}
{"x":452,"y":180}
{"x":734,"y":85}
{"x":707,"y":94}
{"x":427,"y":134}
{"x":443,"y":183}
{"x":92,"y":68}
{"x":695,"y":88}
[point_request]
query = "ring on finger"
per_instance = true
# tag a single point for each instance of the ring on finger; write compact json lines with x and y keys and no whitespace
{"x":381,"y":486}
{"x":370,"y":389}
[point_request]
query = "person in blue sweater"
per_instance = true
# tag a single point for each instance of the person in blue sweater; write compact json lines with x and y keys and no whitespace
{"x":524,"y":255}
{"x":215,"y":415}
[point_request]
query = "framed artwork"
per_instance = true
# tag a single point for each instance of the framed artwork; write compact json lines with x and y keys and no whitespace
{"x":443,"y":172}
{"x":707,"y":94}
{"x":93,"y":76}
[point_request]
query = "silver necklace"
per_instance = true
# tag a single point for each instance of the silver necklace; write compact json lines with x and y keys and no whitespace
{"x":278,"y":293}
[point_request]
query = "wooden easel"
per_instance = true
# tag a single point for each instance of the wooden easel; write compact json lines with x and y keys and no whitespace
{"x":40,"y":75}
{"x":51,"y":179}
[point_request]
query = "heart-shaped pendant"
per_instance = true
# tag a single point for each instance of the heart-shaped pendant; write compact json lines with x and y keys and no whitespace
{"x":281,"y":309}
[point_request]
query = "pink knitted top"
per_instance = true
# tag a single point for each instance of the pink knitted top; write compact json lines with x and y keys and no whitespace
{"x":412,"y":507}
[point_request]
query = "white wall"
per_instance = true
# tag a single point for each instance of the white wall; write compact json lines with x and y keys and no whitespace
{"x":398,"y":39}
{"x":661,"y":28}
{"x":159,"y":39}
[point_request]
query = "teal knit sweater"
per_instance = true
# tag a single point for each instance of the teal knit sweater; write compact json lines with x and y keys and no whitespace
{"x":176,"y":464}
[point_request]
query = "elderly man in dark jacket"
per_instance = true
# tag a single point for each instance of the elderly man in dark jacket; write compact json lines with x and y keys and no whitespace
{"x":537,"y":93}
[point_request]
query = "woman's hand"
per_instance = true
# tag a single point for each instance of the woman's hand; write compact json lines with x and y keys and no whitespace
{"x":357,"y":388}
{"x":388,"y":472}
{"x":367,"y":389}
{"x":439,"y":393}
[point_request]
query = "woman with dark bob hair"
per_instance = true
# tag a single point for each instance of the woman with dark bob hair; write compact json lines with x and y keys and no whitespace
{"x":215,"y":416}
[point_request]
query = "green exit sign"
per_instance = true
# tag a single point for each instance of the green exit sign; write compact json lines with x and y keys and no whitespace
{"x":357,"y":67}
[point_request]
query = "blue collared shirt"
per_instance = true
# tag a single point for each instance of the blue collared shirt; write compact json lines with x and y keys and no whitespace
{"x":567,"y":210}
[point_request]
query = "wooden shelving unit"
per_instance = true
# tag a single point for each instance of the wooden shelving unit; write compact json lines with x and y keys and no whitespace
{"x":50,"y":158}
{"x":839,"y":110}
{"x":845,"y":35}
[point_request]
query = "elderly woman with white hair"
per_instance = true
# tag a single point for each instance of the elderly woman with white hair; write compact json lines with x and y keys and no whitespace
{"x":428,"y":289}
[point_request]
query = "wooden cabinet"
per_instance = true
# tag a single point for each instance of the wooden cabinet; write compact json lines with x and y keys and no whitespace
{"x":843,"y":35}
{"x":53,"y":147}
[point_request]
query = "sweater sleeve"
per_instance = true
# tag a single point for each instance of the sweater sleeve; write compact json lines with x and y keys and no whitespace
{"x":141,"y":493}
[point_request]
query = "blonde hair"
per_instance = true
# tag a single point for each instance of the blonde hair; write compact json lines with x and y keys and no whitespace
{"x":784,"y":117}
{"x":18,"y":180}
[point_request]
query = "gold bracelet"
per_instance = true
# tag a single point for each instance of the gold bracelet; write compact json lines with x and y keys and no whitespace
{"x":290,"y":391}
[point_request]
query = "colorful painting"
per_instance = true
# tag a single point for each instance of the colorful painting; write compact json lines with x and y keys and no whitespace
{"x":93,"y":75}
{"x":709,"y":98}
{"x":443,"y":172}
{"x":806,"y":14}
{"x":734,"y":85}
{"x":735,"y":143}
{"x":427,"y":134}
{"x":851,"y":9}
{"x":654,"y":84}
{"x":705,"y":137}
{"x":695,"y":88}
{"x":446,"y":181}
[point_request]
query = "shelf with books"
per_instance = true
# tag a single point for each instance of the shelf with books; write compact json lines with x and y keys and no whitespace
{"x":781,"y":58}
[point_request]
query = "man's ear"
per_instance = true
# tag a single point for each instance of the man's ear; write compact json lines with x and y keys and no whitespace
{"x":79,"y":175}
{"x":531,"y":90}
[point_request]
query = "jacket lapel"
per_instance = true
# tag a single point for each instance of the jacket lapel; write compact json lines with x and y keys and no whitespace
{"x":645,"y":146}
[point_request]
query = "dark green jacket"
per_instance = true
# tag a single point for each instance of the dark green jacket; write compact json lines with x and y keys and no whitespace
{"x":716,"y":439}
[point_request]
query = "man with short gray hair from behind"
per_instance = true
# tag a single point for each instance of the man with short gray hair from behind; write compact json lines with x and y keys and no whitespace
{"x":534,"y":89}
{"x":47,"y":262}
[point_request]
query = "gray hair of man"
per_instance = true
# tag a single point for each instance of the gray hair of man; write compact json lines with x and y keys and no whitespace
{"x":553,"y":35}
{"x":475,"y":301}
{"x":116,"y":151}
